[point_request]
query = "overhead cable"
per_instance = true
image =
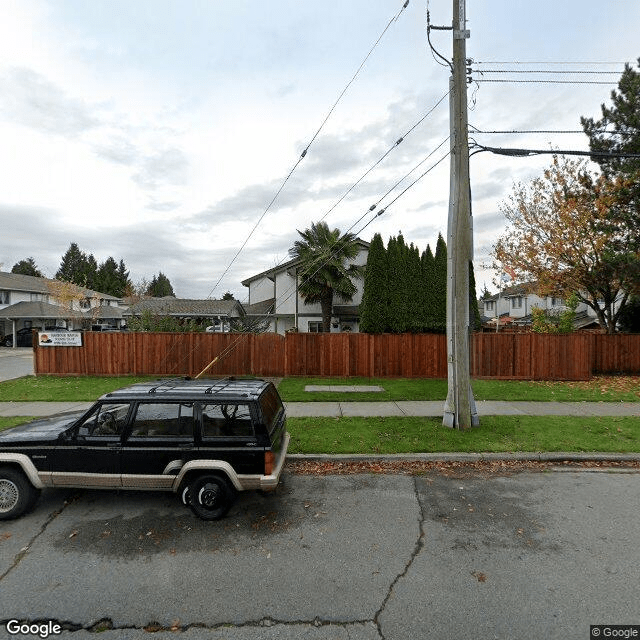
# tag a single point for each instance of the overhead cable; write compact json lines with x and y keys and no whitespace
{"x":305,"y":151}
{"x":557,"y":152}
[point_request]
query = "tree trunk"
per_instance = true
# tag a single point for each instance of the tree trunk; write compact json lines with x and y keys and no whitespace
{"x":326,"y":304}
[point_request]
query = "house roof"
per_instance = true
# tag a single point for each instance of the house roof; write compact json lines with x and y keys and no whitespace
{"x":265,"y":307}
{"x":514,"y":290}
{"x":171,"y":306}
{"x":33,"y":284}
{"x":39,"y":310}
{"x":271,"y":273}
{"x":45,"y":310}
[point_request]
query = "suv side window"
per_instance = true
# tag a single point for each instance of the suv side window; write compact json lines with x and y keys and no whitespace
{"x":163,"y":420}
{"x":224,"y":420}
{"x":271,"y":407}
{"x":109,"y":419}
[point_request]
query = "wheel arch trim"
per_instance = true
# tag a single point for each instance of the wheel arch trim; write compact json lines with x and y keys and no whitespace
{"x":24,"y":462}
{"x":208,"y":465}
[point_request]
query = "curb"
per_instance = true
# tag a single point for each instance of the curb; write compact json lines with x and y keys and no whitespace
{"x":468,"y":457}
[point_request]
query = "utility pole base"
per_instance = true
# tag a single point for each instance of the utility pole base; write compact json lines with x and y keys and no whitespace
{"x":460,"y":420}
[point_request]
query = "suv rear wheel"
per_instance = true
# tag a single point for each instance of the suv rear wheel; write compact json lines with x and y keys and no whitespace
{"x":17,"y":494}
{"x":210,"y":497}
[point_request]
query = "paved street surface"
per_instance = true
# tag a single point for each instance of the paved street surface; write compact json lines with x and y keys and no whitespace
{"x":15,"y":363}
{"x":364,"y":557}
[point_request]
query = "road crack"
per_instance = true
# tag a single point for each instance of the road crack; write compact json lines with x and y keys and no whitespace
{"x":25,"y":550}
{"x":106,"y":624}
{"x":419,"y":545}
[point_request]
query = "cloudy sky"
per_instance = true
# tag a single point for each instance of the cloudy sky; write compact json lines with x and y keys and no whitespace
{"x":159,"y":131}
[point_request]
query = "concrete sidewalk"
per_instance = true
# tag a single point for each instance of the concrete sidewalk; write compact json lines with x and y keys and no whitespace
{"x":407,"y":408}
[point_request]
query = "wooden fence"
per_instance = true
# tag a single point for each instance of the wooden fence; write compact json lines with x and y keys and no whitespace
{"x":523,"y":356}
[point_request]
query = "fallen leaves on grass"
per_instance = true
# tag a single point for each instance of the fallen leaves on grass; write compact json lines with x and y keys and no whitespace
{"x":604,"y":384}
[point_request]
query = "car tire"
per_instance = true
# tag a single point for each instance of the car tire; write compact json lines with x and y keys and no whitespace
{"x":8,"y":342}
{"x":17,"y":494}
{"x":210,"y":497}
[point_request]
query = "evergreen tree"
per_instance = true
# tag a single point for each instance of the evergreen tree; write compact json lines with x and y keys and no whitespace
{"x":77,"y":267}
{"x":27,"y":268}
{"x":109,"y":278}
{"x":414,"y":291}
{"x":375,"y":295}
{"x":160,"y":287}
{"x":427,"y":263}
{"x":440,"y":287}
{"x":618,"y":131}
{"x":475,"y":322}
{"x":394,"y":276}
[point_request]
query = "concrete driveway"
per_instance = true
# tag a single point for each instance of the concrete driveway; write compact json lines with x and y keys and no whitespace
{"x":15,"y":363}
{"x":363,"y":557}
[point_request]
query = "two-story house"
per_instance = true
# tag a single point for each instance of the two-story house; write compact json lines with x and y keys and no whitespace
{"x":512,"y":307}
{"x":38,"y":303}
{"x":274,"y":296}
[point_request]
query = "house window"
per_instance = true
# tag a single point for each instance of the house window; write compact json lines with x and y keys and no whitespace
{"x":315,"y":327}
{"x":39,"y":297}
{"x":85,"y":304}
{"x":4,"y":297}
{"x":556,"y":302}
{"x":489,"y":305}
{"x":516,"y":303}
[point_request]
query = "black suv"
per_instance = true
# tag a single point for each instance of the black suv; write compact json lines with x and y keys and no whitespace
{"x":202,"y":439}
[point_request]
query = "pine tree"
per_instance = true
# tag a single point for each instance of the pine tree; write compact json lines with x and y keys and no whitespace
{"x":27,"y":268}
{"x":77,"y":267}
{"x":427,"y":282}
{"x":475,"y":322}
{"x":375,"y":297}
{"x":618,"y":131}
{"x":440,"y":287}
{"x":160,"y":287}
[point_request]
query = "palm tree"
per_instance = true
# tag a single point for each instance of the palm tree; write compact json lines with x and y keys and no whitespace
{"x":324,"y":268}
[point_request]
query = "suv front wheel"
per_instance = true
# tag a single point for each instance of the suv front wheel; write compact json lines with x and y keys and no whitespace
{"x":17,"y":494}
{"x":210,"y":497}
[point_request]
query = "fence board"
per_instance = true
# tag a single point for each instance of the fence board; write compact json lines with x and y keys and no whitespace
{"x":524,"y":356}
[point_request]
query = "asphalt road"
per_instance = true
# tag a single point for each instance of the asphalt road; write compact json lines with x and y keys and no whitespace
{"x":364,"y":557}
{"x":15,"y":363}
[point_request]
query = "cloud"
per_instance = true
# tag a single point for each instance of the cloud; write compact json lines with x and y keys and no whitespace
{"x":168,"y":166}
{"x":31,"y":100}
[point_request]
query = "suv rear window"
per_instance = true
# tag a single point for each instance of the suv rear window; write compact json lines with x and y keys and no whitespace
{"x":271,"y":408}
{"x":223,"y":420}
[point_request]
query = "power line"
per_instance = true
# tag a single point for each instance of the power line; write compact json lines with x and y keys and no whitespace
{"x":581,"y":62}
{"x":549,"y":71}
{"x":305,"y":151}
{"x":544,"y":81}
{"x":394,"y":146}
{"x":557,"y":152}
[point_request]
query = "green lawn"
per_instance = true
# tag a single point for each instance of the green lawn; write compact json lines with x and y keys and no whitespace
{"x":63,"y":389}
{"x":427,"y":435}
{"x":602,"y":389}
{"x":495,"y":434}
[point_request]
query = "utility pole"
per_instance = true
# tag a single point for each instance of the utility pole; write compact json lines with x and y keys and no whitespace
{"x":459,"y":410}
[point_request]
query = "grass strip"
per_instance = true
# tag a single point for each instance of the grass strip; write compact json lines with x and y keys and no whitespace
{"x":63,"y":389}
{"x":499,"y":434}
{"x":12,"y":421}
{"x":600,"y":389}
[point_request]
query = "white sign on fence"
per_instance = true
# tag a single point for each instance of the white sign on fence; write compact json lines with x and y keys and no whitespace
{"x":59,"y":339}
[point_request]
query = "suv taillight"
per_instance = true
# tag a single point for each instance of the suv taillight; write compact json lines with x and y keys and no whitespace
{"x":269,"y":462}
